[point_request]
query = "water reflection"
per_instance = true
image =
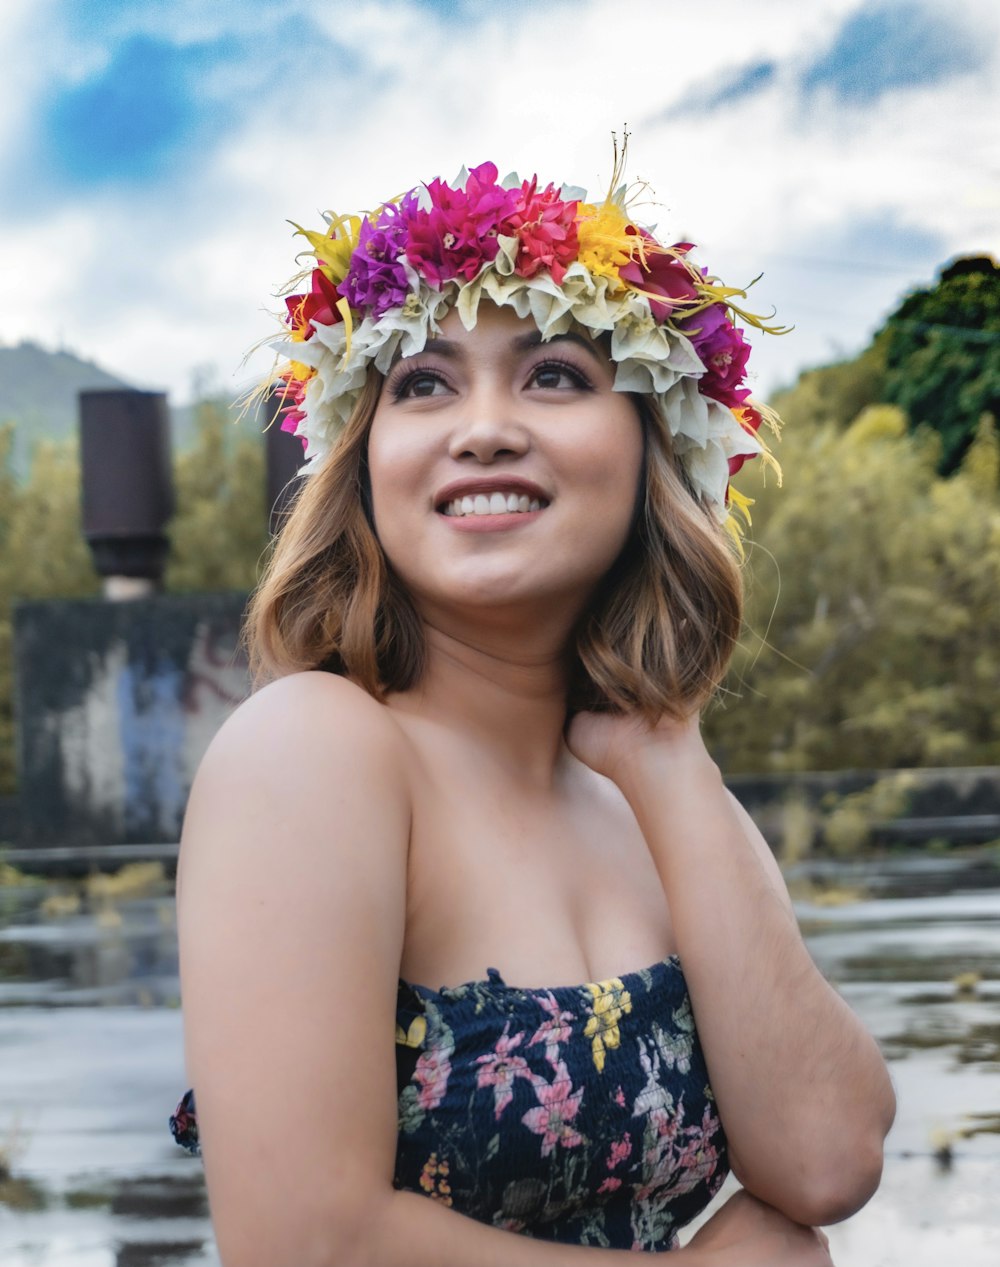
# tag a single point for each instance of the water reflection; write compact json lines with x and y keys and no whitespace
{"x":91,"y":1063}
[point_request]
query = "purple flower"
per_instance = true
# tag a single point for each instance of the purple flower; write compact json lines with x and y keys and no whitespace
{"x":376,"y":278}
{"x":723,"y":352}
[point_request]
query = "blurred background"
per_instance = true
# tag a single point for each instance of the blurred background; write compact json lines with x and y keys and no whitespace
{"x":844,"y":159}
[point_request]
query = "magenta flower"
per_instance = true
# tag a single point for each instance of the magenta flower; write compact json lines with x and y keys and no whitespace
{"x":376,"y":278}
{"x":723,"y":351}
{"x":458,"y":234}
{"x":556,"y":1110}
{"x":545,"y":227}
{"x":500,"y":1068}
{"x":662,"y":274}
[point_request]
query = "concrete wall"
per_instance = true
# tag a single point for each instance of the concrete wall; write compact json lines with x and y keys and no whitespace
{"x":116,"y":704}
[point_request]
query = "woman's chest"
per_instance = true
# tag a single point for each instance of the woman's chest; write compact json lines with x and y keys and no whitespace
{"x":548,"y":888}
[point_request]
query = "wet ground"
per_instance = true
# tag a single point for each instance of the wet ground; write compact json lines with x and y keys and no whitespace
{"x":91,"y":1064}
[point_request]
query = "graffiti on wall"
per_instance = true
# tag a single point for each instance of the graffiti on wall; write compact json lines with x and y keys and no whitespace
{"x":117,"y":703}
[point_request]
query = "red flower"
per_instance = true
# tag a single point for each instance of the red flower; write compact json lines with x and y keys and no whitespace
{"x":319,"y":305}
{"x":750,"y":420}
{"x":545,"y":227}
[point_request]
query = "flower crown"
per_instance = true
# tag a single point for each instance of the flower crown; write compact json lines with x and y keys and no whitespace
{"x":382,"y":282}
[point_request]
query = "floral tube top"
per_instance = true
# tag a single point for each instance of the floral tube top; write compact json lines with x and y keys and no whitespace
{"x":580,"y":1114}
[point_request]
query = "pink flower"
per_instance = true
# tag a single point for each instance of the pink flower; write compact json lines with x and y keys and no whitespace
{"x":723,"y":352}
{"x":545,"y":226}
{"x":663,"y":274}
{"x":620,"y":1098}
{"x":620,"y":1149}
{"x":609,"y":1185}
{"x":500,"y":1068}
{"x":557,"y":1108}
{"x":432,"y":1073}
{"x":458,"y":234}
{"x":699,"y":1158}
{"x":553,"y":1031}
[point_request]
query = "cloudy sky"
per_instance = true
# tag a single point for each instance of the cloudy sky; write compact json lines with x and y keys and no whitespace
{"x":152,"y":151}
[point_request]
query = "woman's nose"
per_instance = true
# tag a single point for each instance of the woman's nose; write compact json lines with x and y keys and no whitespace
{"x":487,"y":428}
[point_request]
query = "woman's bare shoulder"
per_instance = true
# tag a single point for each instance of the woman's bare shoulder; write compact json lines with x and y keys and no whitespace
{"x":301,"y":724}
{"x":312,"y":753}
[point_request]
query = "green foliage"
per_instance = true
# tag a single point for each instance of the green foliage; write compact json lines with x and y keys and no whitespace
{"x":849,"y":823}
{"x":942,"y":355}
{"x":219,"y":534}
{"x":836,"y":393}
{"x":874,"y":626}
{"x":217,"y":537}
{"x":42,"y":554}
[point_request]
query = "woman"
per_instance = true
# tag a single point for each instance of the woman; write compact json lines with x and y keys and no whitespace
{"x":491,"y":621}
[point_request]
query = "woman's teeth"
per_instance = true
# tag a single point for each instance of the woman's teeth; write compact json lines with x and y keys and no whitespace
{"x":494,"y":504}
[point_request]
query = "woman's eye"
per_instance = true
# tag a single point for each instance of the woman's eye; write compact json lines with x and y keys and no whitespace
{"x":552,"y":376}
{"x":419,"y":383}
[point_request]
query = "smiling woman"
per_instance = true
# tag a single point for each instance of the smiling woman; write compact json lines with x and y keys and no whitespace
{"x":486,"y":631}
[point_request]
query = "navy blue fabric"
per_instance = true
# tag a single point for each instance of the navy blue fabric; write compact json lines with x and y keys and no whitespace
{"x":579,"y":1114}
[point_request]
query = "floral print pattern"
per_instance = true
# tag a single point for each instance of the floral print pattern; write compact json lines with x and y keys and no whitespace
{"x":580,"y":1114}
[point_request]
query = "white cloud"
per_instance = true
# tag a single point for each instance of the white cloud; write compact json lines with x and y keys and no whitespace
{"x":153,"y":283}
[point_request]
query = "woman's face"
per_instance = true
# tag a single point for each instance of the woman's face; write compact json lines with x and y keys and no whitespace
{"x":503,"y":469}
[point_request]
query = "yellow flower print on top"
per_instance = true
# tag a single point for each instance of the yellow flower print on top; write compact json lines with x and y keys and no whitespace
{"x":434,"y":1179}
{"x":415,"y":1035}
{"x":611,"y":1002}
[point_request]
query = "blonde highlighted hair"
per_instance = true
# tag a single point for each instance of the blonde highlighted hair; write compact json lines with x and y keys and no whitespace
{"x":657,"y":636}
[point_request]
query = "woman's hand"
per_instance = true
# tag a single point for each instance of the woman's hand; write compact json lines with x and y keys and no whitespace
{"x":748,"y":1233}
{"x":612,"y":743}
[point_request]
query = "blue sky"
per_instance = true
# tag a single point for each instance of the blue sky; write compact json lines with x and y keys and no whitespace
{"x":152,"y":151}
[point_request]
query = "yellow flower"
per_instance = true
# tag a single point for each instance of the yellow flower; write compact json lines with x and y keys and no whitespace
{"x":605,"y":244}
{"x":611,"y":1002}
{"x":333,"y":249}
{"x":434,"y":1179}
{"x":415,"y":1035}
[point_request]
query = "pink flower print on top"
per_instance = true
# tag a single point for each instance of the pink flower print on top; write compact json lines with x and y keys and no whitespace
{"x":431,"y":1075}
{"x":500,"y":1068}
{"x":555,"y":1030}
{"x":620,"y":1149}
{"x":556,"y":1110}
{"x":699,"y":1158}
{"x":609,"y":1185}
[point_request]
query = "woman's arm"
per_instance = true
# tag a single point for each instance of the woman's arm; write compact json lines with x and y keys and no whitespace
{"x":802,"y":1089}
{"x":291,"y":912}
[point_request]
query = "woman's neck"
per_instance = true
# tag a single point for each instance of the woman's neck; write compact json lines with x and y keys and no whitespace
{"x":503,"y":695}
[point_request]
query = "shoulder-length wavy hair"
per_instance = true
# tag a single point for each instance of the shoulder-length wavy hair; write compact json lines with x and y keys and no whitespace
{"x":657,"y":636}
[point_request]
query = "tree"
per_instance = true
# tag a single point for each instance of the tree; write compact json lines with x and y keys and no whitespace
{"x":942,"y":355}
{"x":218,"y":537}
{"x":873,"y":627}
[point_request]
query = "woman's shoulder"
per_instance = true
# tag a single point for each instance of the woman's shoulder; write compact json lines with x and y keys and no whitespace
{"x":310,"y":706}
{"x":305,"y":738}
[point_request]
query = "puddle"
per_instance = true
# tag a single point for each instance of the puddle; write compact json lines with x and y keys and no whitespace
{"x":91,"y":1064}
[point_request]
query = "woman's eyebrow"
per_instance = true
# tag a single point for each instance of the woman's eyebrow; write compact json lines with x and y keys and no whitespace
{"x":533,"y":339}
{"x":440,"y":347}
